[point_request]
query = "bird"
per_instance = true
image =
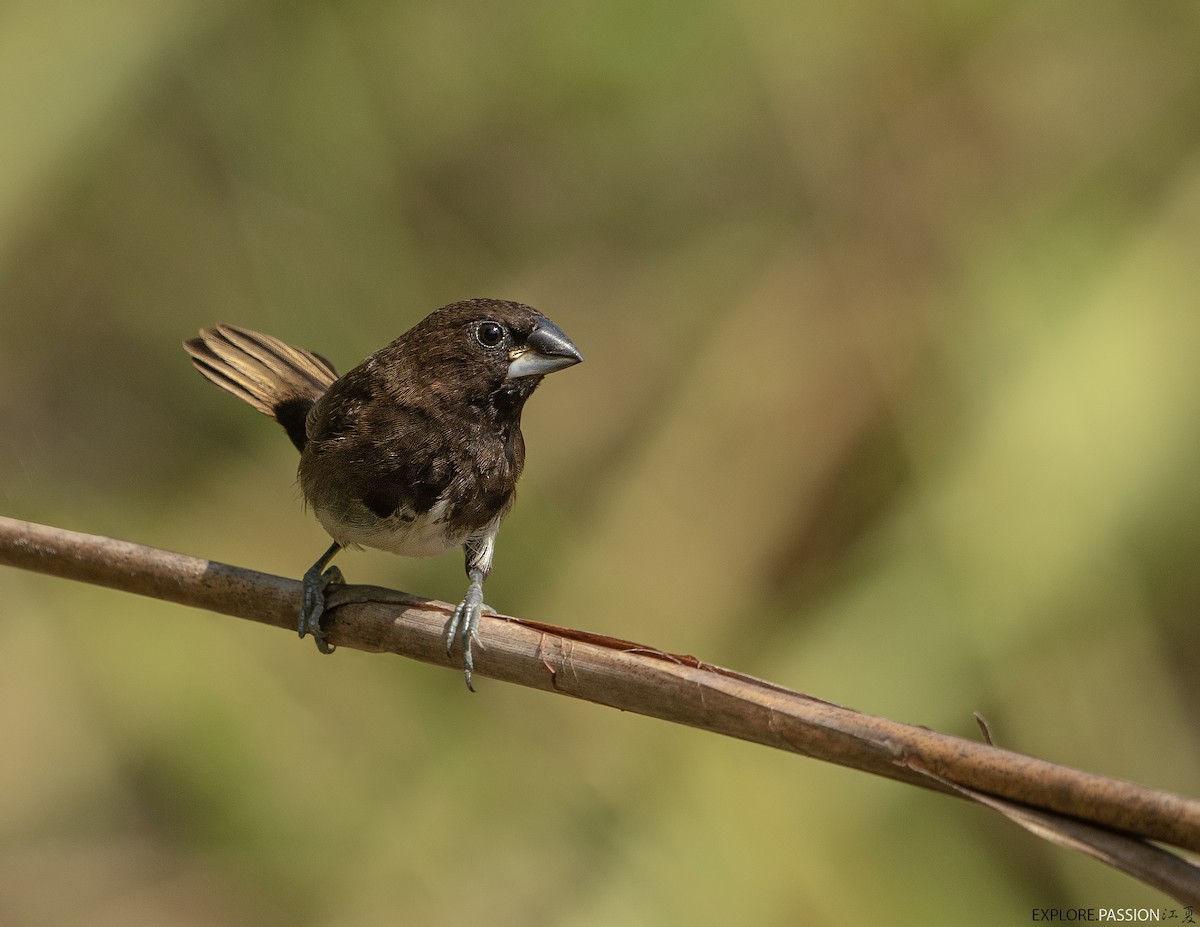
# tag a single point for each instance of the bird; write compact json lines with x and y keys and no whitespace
{"x":417,"y":450}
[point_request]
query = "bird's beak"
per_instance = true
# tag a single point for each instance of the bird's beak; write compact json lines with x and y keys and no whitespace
{"x":545,"y":350}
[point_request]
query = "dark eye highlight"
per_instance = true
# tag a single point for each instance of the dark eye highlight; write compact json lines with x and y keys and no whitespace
{"x":489,"y":334}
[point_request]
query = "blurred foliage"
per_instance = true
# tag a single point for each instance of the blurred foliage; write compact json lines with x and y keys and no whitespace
{"x":890,"y":313}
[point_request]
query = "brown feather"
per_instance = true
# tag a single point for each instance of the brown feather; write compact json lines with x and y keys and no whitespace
{"x":276,"y":378}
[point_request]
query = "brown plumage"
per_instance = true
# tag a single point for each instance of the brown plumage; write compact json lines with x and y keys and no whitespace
{"x":418,"y":449}
{"x":275,"y":378}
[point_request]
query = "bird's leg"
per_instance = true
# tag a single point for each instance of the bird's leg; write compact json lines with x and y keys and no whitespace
{"x":316,"y":581}
{"x":464,"y":625}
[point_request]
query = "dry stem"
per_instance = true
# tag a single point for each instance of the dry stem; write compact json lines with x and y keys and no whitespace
{"x":1107,"y":818}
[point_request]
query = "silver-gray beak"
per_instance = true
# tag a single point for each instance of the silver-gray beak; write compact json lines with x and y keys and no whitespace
{"x":547,"y":349}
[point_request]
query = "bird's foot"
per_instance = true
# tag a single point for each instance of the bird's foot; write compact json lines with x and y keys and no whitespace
{"x":464,"y":626}
{"x":316,"y":584}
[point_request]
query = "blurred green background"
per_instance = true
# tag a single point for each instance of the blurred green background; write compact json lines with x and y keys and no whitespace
{"x":892,"y":394}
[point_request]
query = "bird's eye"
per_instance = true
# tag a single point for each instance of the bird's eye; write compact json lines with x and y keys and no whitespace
{"x":489,"y":334}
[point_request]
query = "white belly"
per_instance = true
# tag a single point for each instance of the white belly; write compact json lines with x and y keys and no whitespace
{"x":418,"y":536}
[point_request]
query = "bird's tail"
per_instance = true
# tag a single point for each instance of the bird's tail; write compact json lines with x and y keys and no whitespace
{"x":275,"y":378}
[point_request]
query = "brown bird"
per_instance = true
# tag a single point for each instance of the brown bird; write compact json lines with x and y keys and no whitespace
{"x":417,"y":450}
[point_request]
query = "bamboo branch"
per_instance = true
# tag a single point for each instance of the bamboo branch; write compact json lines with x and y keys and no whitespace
{"x":1107,"y":818}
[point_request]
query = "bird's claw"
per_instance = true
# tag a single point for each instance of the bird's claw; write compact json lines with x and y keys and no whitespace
{"x":315,"y":586}
{"x":464,"y":626}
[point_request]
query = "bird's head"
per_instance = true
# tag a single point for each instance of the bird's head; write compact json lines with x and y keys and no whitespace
{"x":490,"y":350}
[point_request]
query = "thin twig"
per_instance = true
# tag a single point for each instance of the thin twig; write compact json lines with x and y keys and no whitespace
{"x":1108,"y":818}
